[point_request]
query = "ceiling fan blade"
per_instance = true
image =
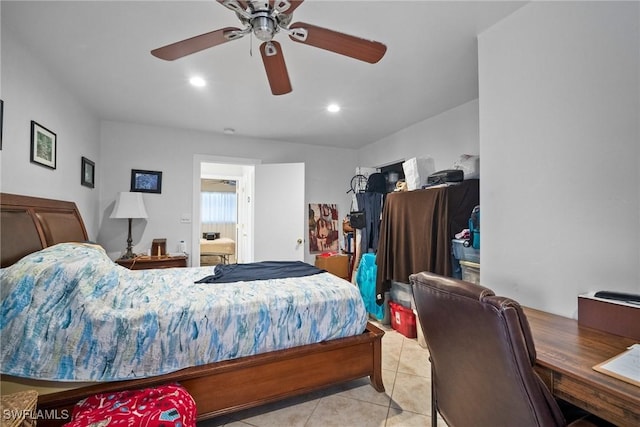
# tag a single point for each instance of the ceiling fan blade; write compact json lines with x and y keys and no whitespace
{"x":195,"y":44}
{"x":238,"y":6}
{"x":364,"y":50}
{"x":275,"y":67}
{"x":285,"y":6}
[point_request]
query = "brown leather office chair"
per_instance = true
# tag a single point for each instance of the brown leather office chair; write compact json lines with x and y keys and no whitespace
{"x":482,"y":356}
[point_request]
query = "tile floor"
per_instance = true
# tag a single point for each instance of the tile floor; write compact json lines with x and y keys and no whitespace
{"x":406,"y":401}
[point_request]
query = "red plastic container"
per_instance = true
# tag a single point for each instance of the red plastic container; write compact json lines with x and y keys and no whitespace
{"x":403,"y":320}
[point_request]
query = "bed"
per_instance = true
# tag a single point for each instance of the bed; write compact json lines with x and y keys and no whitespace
{"x":220,"y":250}
{"x":31,"y":224}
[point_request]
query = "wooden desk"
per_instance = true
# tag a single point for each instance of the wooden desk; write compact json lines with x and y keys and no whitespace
{"x":566,"y":353}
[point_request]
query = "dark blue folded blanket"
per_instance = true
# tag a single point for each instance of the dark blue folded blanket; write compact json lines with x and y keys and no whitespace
{"x":227,"y":273}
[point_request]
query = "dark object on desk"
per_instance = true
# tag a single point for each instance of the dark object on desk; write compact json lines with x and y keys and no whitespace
{"x":159,"y":247}
{"x":610,"y":314}
{"x":444,"y":176}
{"x":482,"y":356}
{"x":212,"y":235}
{"x":618,"y":296}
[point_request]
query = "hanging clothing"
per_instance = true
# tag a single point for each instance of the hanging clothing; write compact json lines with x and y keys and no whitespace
{"x":371,"y":204}
{"x":417,"y":228}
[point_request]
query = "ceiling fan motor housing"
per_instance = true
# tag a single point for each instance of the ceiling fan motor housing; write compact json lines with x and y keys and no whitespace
{"x":264,"y":26}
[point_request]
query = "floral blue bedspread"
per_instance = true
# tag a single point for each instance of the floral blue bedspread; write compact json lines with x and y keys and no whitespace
{"x":70,"y":313}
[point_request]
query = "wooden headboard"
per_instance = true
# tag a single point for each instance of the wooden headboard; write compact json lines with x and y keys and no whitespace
{"x":29,"y":224}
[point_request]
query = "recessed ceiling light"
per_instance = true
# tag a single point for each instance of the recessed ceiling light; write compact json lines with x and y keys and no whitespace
{"x":333,"y":108}
{"x":197,"y":81}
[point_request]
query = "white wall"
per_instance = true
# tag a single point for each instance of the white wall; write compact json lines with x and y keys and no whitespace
{"x":443,"y":138}
{"x":559,"y":143}
{"x":126,"y":146}
{"x":30,"y":92}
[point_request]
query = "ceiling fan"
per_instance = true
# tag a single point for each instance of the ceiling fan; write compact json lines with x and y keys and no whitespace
{"x":265,"y":19}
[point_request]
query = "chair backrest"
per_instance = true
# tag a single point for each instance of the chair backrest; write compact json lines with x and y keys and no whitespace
{"x":482,"y":356}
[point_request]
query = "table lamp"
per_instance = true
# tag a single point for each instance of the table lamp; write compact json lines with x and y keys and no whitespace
{"x":129,"y":205}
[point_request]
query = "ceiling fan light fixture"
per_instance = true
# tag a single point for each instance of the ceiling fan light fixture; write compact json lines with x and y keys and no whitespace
{"x":263,"y":26}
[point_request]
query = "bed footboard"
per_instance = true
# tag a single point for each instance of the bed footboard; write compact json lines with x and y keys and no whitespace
{"x":229,"y":386}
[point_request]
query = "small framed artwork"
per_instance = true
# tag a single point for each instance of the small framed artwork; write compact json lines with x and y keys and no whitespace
{"x":88,"y":173}
{"x":43,"y":146}
{"x":146,"y":181}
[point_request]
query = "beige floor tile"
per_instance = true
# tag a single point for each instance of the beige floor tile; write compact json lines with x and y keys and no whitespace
{"x":400,"y":418}
{"x":412,"y":393}
{"x":361,"y":389}
{"x":405,"y":402}
{"x":391,"y":348}
{"x":236,"y":424}
{"x":414,"y":359}
{"x":341,"y":411}
{"x":290,"y":412}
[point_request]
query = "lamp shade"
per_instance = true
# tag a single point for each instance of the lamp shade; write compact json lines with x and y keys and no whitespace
{"x":129,"y":205}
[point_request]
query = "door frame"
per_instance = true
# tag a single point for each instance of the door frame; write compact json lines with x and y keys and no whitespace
{"x":244,"y":243}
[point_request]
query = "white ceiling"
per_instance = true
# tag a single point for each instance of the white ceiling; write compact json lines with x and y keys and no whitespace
{"x":100,"y":50}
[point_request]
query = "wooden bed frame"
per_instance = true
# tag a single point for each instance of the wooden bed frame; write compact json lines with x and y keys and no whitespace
{"x":29,"y":224}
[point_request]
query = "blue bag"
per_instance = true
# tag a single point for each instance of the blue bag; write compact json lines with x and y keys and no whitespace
{"x":474,"y":227}
{"x":366,"y":281}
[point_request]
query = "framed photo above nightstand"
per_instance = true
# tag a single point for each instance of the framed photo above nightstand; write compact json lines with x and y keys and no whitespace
{"x":146,"y":181}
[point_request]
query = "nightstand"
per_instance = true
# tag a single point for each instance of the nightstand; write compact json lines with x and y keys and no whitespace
{"x":149,"y":262}
{"x":337,"y":264}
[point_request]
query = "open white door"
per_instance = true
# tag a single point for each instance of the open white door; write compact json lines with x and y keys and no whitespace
{"x":279,"y":212}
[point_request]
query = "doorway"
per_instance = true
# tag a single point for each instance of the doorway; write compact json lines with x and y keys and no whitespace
{"x":218,"y":220}
{"x":234,"y":242}
{"x":270,"y":207}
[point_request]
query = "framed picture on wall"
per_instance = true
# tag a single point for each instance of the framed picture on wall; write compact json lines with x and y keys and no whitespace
{"x":88,"y":173}
{"x":43,"y":146}
{"x":323,"y":228}
{"x":146,"y":181}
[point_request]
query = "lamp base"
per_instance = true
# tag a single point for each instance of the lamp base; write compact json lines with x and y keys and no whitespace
{"x":129,"y":254}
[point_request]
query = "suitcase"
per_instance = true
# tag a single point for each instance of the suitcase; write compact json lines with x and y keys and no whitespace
{"x":447,"y":175}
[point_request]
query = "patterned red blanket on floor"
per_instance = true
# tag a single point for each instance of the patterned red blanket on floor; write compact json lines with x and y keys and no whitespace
{"x":163,"y":406}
